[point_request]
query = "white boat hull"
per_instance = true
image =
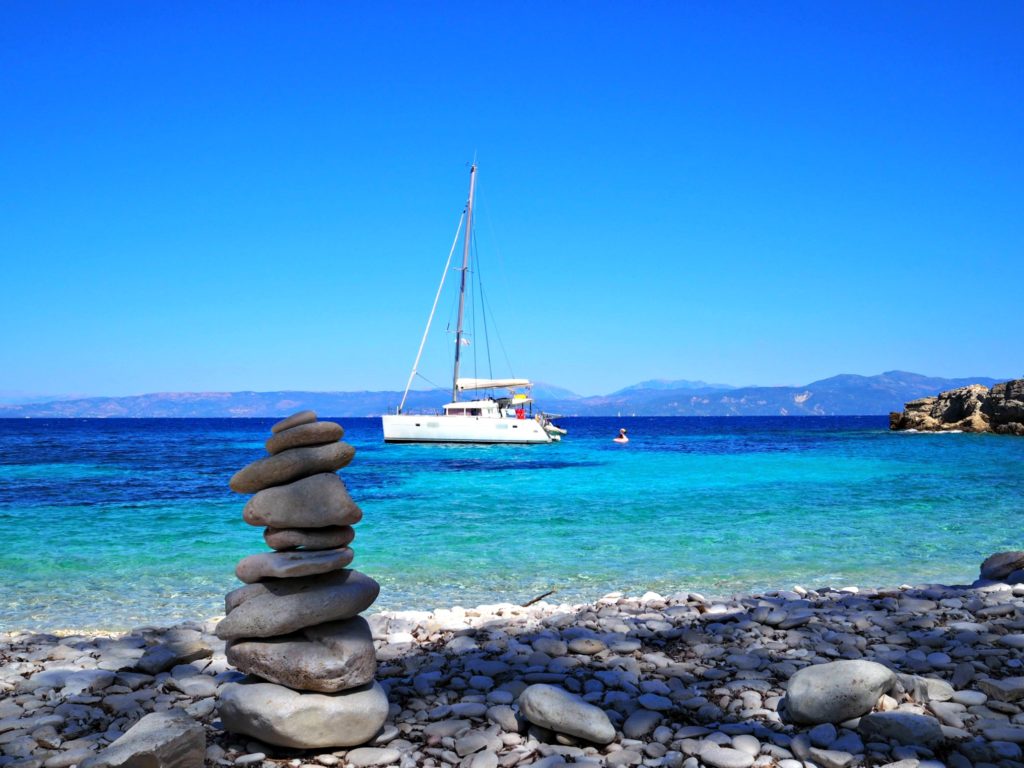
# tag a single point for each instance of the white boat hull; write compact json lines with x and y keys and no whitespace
{"x":406,"y":428}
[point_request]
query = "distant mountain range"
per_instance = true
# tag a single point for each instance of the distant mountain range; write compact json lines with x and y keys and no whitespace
{"x":697,"y":386}
{"x":844,"y":395}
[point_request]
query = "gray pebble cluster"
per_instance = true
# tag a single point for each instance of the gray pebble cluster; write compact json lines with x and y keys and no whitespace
{"x":934,"y":673}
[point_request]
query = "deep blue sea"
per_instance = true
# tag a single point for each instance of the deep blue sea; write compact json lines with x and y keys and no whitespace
{"x":116,"y":523}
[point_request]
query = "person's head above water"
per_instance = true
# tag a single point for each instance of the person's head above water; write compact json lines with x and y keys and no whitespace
{"x":622,"y":431}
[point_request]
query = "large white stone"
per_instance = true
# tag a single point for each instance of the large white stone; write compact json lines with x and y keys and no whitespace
{"x":278,"y":715}
{"x":836,"y":691}
{"x":563,"y":712}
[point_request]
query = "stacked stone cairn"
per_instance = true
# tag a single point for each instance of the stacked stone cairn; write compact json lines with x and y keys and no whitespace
{"x":294,"y":627}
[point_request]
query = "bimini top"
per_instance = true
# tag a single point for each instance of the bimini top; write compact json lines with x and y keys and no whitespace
{"x":464,"y":384}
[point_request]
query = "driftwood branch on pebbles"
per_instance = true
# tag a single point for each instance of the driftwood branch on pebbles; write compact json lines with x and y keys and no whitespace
{"x":538,"y":598}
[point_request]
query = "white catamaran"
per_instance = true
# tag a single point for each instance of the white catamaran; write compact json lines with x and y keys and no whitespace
{"x":504,"y":418}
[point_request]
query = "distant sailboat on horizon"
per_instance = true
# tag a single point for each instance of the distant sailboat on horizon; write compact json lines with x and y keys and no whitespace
{"x":502,"y":418}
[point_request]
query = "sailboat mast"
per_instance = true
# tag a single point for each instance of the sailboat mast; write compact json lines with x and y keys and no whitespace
{"x":462,"y":287}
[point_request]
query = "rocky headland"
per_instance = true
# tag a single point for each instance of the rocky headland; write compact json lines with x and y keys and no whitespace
{"x":908,"y":677}
{"x":974,"y":408}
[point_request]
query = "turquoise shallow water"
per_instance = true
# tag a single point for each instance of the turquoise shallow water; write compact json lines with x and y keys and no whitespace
{"x":114,"y":523}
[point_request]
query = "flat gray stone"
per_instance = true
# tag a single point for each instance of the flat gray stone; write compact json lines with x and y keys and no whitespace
{"x":159,"y":658}
{"x":1013,"y":733}
{"x":470,"y":742}
{"x":312,"y":502}
{"x":505,"y":717}
{"x":1008,"y":689}
{"x":291,"y":465}
{"x":326,"y":658}
{"x":655,"y":702}
{"x":823,"y":735}
{"x":831,"y":758}
{"x":587,"y":646}
{"x":286,"y":718}
{"x":168,"y":739}
{"x":641,"y":723}
{"x":302,"y":417}
{"x":836,"y":691}
{"x":283,"y":606}
{"x":970,"y":698}
{"x":71,"y":680}
{"x":901,"y":727}
{"x":314,"y":433}
{"x":725,"y":757}
{"x":195,"y":686}
{"x":926,"y":689}
{"x":88,"y":681}
{"x":563,"y":712}
{"x":363,"y":757}
{"x":76,"y":756}
{"x":442,"y":728}
{"x":47,"y":678}
{"x":292,"y":564}
{"x":309,"y":538}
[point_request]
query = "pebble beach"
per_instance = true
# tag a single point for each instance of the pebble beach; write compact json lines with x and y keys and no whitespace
{"x":676,"y":680}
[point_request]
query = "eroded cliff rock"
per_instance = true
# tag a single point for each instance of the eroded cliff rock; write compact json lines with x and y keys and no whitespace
{"x":975,"y":408}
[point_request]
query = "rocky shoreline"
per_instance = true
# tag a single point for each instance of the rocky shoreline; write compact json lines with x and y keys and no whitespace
{"x":934,"y":675}
{"x":967,"y":409}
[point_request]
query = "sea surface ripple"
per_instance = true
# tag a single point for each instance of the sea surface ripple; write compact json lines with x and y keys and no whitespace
{"x":116,"y":523}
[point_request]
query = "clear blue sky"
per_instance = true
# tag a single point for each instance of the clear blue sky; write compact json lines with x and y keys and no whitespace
{"x":222,"y":196}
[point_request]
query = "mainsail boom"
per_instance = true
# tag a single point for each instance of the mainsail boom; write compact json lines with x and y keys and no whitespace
{"x":464,"y":384}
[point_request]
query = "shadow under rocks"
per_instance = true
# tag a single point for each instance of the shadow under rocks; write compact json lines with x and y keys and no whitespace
{"x":684,"y":680}
{"x":680,"y":676}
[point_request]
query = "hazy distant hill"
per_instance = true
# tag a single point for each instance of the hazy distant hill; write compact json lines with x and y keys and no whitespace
{"x":701,"y":386}
{"x":233,"y":404}
{"x":847,"y":394}
{"x":844,"y":395}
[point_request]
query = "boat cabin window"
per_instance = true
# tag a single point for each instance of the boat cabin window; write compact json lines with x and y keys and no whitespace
{"x":463,"y":411}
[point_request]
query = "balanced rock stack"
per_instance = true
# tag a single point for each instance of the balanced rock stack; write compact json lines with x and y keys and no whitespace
{"x":295,"y":626}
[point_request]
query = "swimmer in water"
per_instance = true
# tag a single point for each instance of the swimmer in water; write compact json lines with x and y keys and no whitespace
{"x":622,"y":436}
